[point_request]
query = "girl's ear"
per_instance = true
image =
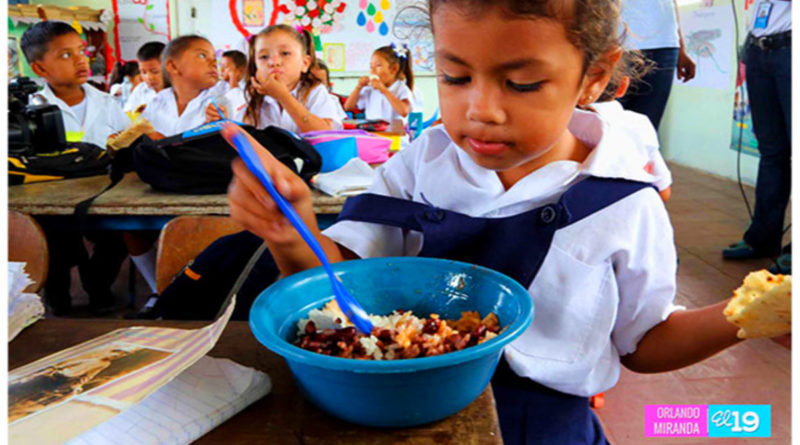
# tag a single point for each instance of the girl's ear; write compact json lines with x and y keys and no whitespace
{"x":598,"y":75}
{"x":306,"y":63}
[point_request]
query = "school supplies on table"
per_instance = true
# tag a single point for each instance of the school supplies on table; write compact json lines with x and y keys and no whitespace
{"x":352,"y":179}
{"x":24,"y":308}
{"x":70,"y":392}
{"x":372,"y":149}
{"x":365,"y":124}
{"x":199,"y":399}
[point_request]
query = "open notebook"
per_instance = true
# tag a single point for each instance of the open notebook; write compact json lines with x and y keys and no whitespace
{"x":203,"y":396}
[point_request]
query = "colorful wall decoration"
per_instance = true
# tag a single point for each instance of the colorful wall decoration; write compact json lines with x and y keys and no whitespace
{"x":141,"y":21}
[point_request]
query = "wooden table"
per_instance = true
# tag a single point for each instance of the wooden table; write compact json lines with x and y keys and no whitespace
{"x":281,"y":417}
{"x":131,"y":205}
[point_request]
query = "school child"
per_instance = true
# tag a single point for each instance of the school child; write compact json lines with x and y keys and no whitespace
{"x":149,"y":57}
{"x":56,"y":53}
{"x":320,"y":70}
{"x":534,"y":188}
{"x":191,"y":67}
{"x":124,"y":78}
{"x":281,"y":89}
{"x":233,"y":69}
{"x":387,"y":92}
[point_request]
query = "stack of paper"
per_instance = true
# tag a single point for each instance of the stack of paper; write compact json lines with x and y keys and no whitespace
{"x":23,"y":308}
{"x":352,"y":179}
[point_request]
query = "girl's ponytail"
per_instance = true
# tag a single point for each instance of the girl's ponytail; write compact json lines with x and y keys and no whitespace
{"x":405,"y":66}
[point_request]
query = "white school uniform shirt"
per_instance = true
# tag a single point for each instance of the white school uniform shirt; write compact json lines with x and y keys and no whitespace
{"x":651,"y":24}
{"x":319,"y":103}
{"x":606,"y":280}
{"x":102,"y":117}
{"x":235,"y":102}
{"x":142,"y":94}
{"x":641,"y":136}
{"x":780,"y":18}
{"x":377,"y":106}
{"x":162,"y":111}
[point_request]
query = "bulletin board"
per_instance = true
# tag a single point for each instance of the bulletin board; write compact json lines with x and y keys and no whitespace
{"x":348,"y":30}
{"x":140,"y":21}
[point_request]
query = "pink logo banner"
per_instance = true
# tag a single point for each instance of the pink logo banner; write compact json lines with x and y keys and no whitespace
{"x":676,"y":421}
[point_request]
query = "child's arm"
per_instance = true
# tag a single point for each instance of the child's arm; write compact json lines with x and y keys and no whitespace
{"x":352,"y":100}
{"x":685,"y":338}
{"x":402,"y":107}
{"x":212,"y":114}
{"x":252,"y":208}
{"x":304,"y":119}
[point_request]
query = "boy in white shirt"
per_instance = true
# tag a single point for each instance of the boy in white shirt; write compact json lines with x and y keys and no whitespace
{"x":149,"y":57}
{"x":56,"y":52}
{"x":191,"y":67}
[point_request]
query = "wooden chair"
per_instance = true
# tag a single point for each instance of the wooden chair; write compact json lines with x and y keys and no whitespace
{"x":183,"y":238}
{"x":27,"y":243}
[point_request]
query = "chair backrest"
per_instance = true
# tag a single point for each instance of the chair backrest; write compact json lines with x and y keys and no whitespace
{"x":183,"y":238}
{"x":27,"y":243}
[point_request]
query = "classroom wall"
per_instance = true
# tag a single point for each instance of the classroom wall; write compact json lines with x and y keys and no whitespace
{"x":698,"y":123}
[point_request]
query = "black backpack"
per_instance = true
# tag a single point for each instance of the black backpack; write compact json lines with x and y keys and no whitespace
{"x":199,"y":161}
{"x":77,"y":160}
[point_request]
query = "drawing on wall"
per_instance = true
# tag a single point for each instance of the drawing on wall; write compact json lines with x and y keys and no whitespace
{"x":412,"y":25}
{"x":742,"y":119}
{"x":709,"y":38}
{"x":14,"y":67}
{"x":318,"y":16}
{"x":253,"y":12}
{"x":141,"y":21}
{"x":333,"y":55}
{"x":371,"y":17}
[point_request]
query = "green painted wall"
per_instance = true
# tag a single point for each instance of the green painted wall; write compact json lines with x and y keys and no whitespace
{"x":697,"y":125}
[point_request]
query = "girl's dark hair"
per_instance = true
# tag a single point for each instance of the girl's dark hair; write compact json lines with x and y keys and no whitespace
{"x":402,"y":60}
{"x":175,"y":48}
{"x":592,"y":25}
{"x":130,"y":68}
{"x":116,"y":75}
{"x":634,"y":65}
{"x":307,"y":79}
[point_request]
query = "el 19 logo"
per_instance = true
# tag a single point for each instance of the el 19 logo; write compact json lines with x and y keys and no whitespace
{"x":739,"y":421}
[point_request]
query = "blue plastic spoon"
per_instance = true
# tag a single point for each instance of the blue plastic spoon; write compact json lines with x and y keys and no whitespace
{"x":347,"y":302}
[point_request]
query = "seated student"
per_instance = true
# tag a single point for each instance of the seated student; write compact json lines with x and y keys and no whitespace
{"x":320,"y":70}
{"x":281,"y":89}
{"x":191,"y":68}
{"x":233,"y":69}
{"x":56,"y":53}
{"x":386,"y":92}
{"x":124,"y":79}
{"x":149,"y":57}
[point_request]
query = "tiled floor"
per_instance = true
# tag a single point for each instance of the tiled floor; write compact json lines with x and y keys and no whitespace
{"x":707,"y":213}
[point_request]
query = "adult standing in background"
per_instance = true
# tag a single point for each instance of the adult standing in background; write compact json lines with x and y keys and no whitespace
{"x":767,"y":58}
{"x":654,"y":29}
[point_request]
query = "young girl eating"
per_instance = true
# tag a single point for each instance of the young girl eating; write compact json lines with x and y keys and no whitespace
{"x":520,"y":180}
{"x":281,"y":89}
{"x":386,"y":93}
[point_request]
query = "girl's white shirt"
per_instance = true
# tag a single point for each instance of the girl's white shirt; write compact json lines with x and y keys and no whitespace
{"x":651,"y":24}
{"x":142,"y":94}
{"x":637,"y":129}
{"x":103,"y":116}
{"x":606,"y":280}
{"x":318,"y":102}
{"x":377,"y":106}
{"x":162,"y":112}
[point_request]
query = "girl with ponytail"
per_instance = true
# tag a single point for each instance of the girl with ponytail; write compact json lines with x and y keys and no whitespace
{"x":387,"y":92}
{"x":281,"y":90}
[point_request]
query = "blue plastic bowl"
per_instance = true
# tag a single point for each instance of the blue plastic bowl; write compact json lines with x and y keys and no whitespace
{"x":395,"y":393}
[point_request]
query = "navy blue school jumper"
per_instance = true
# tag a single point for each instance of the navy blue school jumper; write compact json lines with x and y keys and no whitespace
{"x":517,"y":246}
